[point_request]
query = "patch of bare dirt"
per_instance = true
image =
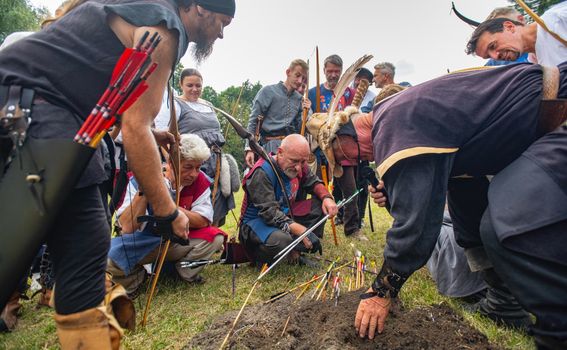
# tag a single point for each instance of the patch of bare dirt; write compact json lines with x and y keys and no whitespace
{"x":322,"y":325}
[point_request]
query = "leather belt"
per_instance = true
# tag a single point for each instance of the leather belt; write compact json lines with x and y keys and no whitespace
{"x":271,"y":138}
{"x":552,"y":111}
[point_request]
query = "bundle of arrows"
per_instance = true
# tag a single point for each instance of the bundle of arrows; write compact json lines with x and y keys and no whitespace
{"x":127,"y":83}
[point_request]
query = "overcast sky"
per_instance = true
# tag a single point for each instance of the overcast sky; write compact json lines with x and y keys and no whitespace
{"x":422,"y":38}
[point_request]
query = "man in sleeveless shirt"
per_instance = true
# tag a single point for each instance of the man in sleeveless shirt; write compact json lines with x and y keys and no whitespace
{"x":69,"y":65}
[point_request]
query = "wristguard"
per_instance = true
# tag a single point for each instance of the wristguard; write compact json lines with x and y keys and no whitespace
{"x":386,"y":285}
{"x":161,"y":226}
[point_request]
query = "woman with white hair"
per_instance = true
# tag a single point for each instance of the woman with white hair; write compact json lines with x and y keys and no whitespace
{"x":140,"y":242}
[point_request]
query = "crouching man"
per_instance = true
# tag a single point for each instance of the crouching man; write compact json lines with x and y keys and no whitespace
{"x":268,"y":225}
{"x":141,"y":245}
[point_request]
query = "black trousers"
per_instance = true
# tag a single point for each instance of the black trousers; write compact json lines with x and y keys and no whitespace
{"x":536,"y":278}
{"x":532,"y":264}
{"x":361,"y":200}
{"x":467,"y":200}
{"x":78,"y":247}
{"x":345,"y":186}
{"x":264,"y":252}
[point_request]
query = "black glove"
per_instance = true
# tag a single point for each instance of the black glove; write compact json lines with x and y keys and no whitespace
{"x":315,"y":242}
{"x":161,"y":226}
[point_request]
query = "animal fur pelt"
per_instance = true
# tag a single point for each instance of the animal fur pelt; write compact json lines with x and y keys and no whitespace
{"x":346,"y":78}
{"x":230,"y":175}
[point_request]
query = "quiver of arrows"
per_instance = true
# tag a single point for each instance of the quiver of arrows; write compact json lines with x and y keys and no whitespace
{"x":39,"y":181}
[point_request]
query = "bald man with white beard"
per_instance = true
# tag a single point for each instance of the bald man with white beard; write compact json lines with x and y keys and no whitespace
{"x":267,"y":224}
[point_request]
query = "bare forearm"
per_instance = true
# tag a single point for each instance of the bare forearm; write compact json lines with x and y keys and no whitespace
{"x":296,"y":229}
{"x":129,"y":218}
{"x":144,"y":161}
{"x":195,"y":220}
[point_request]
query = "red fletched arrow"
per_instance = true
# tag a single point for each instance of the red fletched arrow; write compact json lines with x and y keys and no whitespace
{"x":127,"y":84}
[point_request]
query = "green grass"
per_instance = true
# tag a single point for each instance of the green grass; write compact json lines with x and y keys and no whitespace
{"x":179,"y":311}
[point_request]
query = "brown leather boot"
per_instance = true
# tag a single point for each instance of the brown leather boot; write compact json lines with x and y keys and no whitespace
{"x":119,"y":304}
{"x":87,"y":330}
{"x":9,"y":316}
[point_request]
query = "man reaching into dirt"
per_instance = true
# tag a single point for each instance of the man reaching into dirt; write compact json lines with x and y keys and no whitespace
{"x":268,"y":224}
{"x":450,"y":148}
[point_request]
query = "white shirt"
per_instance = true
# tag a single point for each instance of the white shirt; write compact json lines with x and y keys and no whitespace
{"x":550,"y":51}
{"x":201,"y":205}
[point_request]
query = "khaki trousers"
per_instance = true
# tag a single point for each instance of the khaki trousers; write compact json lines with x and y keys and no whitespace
{"x":196,"y":250}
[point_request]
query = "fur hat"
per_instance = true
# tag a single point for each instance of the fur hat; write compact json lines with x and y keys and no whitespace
{"x":230,"y":175}
{"x":325,"y":132}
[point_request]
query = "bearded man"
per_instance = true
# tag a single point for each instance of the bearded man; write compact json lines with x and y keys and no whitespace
{"x":68,"y":67}
{"x":268,"y":223}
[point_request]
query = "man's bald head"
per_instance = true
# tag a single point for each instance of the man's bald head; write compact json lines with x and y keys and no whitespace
{"x":295,"y":142}
{"x":292,"y":154}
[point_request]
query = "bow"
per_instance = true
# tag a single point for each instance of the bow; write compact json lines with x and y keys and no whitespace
{"x":318,"y":84}
{"x":175,"y":161}
{"x":305,"y":110}
{"x":255,"y":146}
{"x":463,"y":17}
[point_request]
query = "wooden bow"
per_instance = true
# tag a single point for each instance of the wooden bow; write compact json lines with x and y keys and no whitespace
{"x":175,"y":161}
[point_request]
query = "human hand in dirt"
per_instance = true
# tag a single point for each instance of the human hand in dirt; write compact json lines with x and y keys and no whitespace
{"x":329,"y":207}
{"x":377,"y":194}
{"x":163,"y":138}
{"x":371,"y":316}
{"x":249,"y":159}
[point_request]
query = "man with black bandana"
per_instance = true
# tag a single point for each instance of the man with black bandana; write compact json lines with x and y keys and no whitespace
{"x":448,"y":151}
{"x":89,"y":40}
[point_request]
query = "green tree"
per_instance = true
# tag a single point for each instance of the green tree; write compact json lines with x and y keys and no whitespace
{"x":226,"y":100}
{"x":176,"y":76}
{"x":538,"y":6}
{"x":19,"y":15}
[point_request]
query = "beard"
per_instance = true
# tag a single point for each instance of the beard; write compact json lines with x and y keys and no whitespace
{"x":290,"y":173}
{"x":333,"y":81}
{"x":203,"y":46}
{"x":201,"y":49}
{"x":510,"y":55}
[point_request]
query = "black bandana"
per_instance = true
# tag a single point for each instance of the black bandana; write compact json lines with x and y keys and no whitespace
{"x":226,"y":7}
